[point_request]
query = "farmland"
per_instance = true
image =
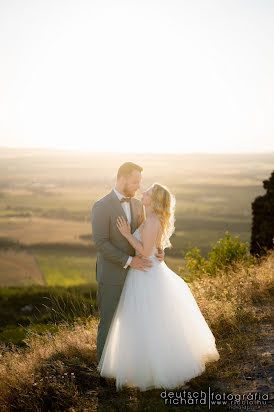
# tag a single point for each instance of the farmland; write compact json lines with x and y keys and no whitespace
{"x":46,"y":197}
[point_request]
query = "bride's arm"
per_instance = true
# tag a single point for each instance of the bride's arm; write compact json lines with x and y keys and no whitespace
{"x":150,"y":233}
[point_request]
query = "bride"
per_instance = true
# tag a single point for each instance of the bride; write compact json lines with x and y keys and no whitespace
{"x":158,"y":337}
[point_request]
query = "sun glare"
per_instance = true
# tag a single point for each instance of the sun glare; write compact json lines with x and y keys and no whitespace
{"x":167,"y":76}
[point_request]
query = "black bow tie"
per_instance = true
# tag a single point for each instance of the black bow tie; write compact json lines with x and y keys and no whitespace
{"x":125,"y":199}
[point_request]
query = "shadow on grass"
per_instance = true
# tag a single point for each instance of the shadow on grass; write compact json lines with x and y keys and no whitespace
{"x":42,"y":308}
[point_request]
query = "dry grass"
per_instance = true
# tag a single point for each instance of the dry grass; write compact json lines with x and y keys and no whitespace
{"x":236,"y":305}
{"x":239,"y":295}
{"x":232,"y":304}
{"x":28,"y":377}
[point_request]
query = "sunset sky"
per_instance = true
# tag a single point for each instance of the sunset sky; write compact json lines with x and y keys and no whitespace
{"x":142,"y":75}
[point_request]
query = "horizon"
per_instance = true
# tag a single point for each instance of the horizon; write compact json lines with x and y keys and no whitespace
{"x":91,"y":151}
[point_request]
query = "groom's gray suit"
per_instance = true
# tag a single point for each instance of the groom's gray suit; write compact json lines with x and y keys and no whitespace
{"x":113,"y":252}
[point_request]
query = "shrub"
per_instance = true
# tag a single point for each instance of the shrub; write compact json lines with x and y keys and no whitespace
{"x":225,"y":254}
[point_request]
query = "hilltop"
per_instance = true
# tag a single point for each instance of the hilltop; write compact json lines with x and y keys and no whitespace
{"x":57,"y":371}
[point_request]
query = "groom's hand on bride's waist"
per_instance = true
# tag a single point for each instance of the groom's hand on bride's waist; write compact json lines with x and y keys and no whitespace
{"x":140,"y":263}
{"x":160,"y":255}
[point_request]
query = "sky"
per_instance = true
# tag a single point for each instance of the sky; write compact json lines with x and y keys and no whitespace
{"x":137,"y":75}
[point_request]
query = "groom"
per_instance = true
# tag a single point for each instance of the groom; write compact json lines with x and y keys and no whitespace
{"x":115,"y":254}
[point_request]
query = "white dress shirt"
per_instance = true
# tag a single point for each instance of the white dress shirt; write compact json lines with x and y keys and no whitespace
{"x":126,"y":207}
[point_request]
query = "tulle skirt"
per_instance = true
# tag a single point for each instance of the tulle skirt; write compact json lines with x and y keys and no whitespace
{"x":158,"y":337}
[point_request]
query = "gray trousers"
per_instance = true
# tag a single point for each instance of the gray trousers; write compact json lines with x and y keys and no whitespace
{"x":108,"y":298}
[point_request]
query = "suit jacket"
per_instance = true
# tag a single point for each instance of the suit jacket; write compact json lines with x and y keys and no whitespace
{"x":113,"y":248}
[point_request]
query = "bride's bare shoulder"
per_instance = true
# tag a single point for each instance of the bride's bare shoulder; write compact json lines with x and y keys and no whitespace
{"x":152,"y":224}
{"x":153,"y":220}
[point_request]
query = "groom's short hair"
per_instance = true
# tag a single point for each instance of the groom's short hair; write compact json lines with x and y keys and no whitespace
{"x":127,"y":168}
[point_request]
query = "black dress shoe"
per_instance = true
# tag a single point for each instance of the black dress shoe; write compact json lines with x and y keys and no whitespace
{"x":103,"y":381}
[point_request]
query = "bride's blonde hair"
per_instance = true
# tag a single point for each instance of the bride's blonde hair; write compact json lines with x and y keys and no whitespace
{"x":163,"y":205}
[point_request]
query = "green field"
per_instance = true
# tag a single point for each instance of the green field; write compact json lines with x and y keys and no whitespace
{"x":62,"y":269}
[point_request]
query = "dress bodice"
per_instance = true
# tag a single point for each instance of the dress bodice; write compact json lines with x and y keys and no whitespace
{"x":138,"y":236}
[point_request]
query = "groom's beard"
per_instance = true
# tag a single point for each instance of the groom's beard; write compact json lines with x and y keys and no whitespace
{"x":127,"y":191}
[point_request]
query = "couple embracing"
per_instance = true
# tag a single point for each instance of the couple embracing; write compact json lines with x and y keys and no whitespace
{"x":151,"y":333}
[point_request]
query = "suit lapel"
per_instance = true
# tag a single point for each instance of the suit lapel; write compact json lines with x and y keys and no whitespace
{"x":119,"y":209}
{"x":134,"y":215}
{"x":117,"y":205}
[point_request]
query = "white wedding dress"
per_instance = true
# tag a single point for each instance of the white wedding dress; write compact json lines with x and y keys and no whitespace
{"x":158,"y":337}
